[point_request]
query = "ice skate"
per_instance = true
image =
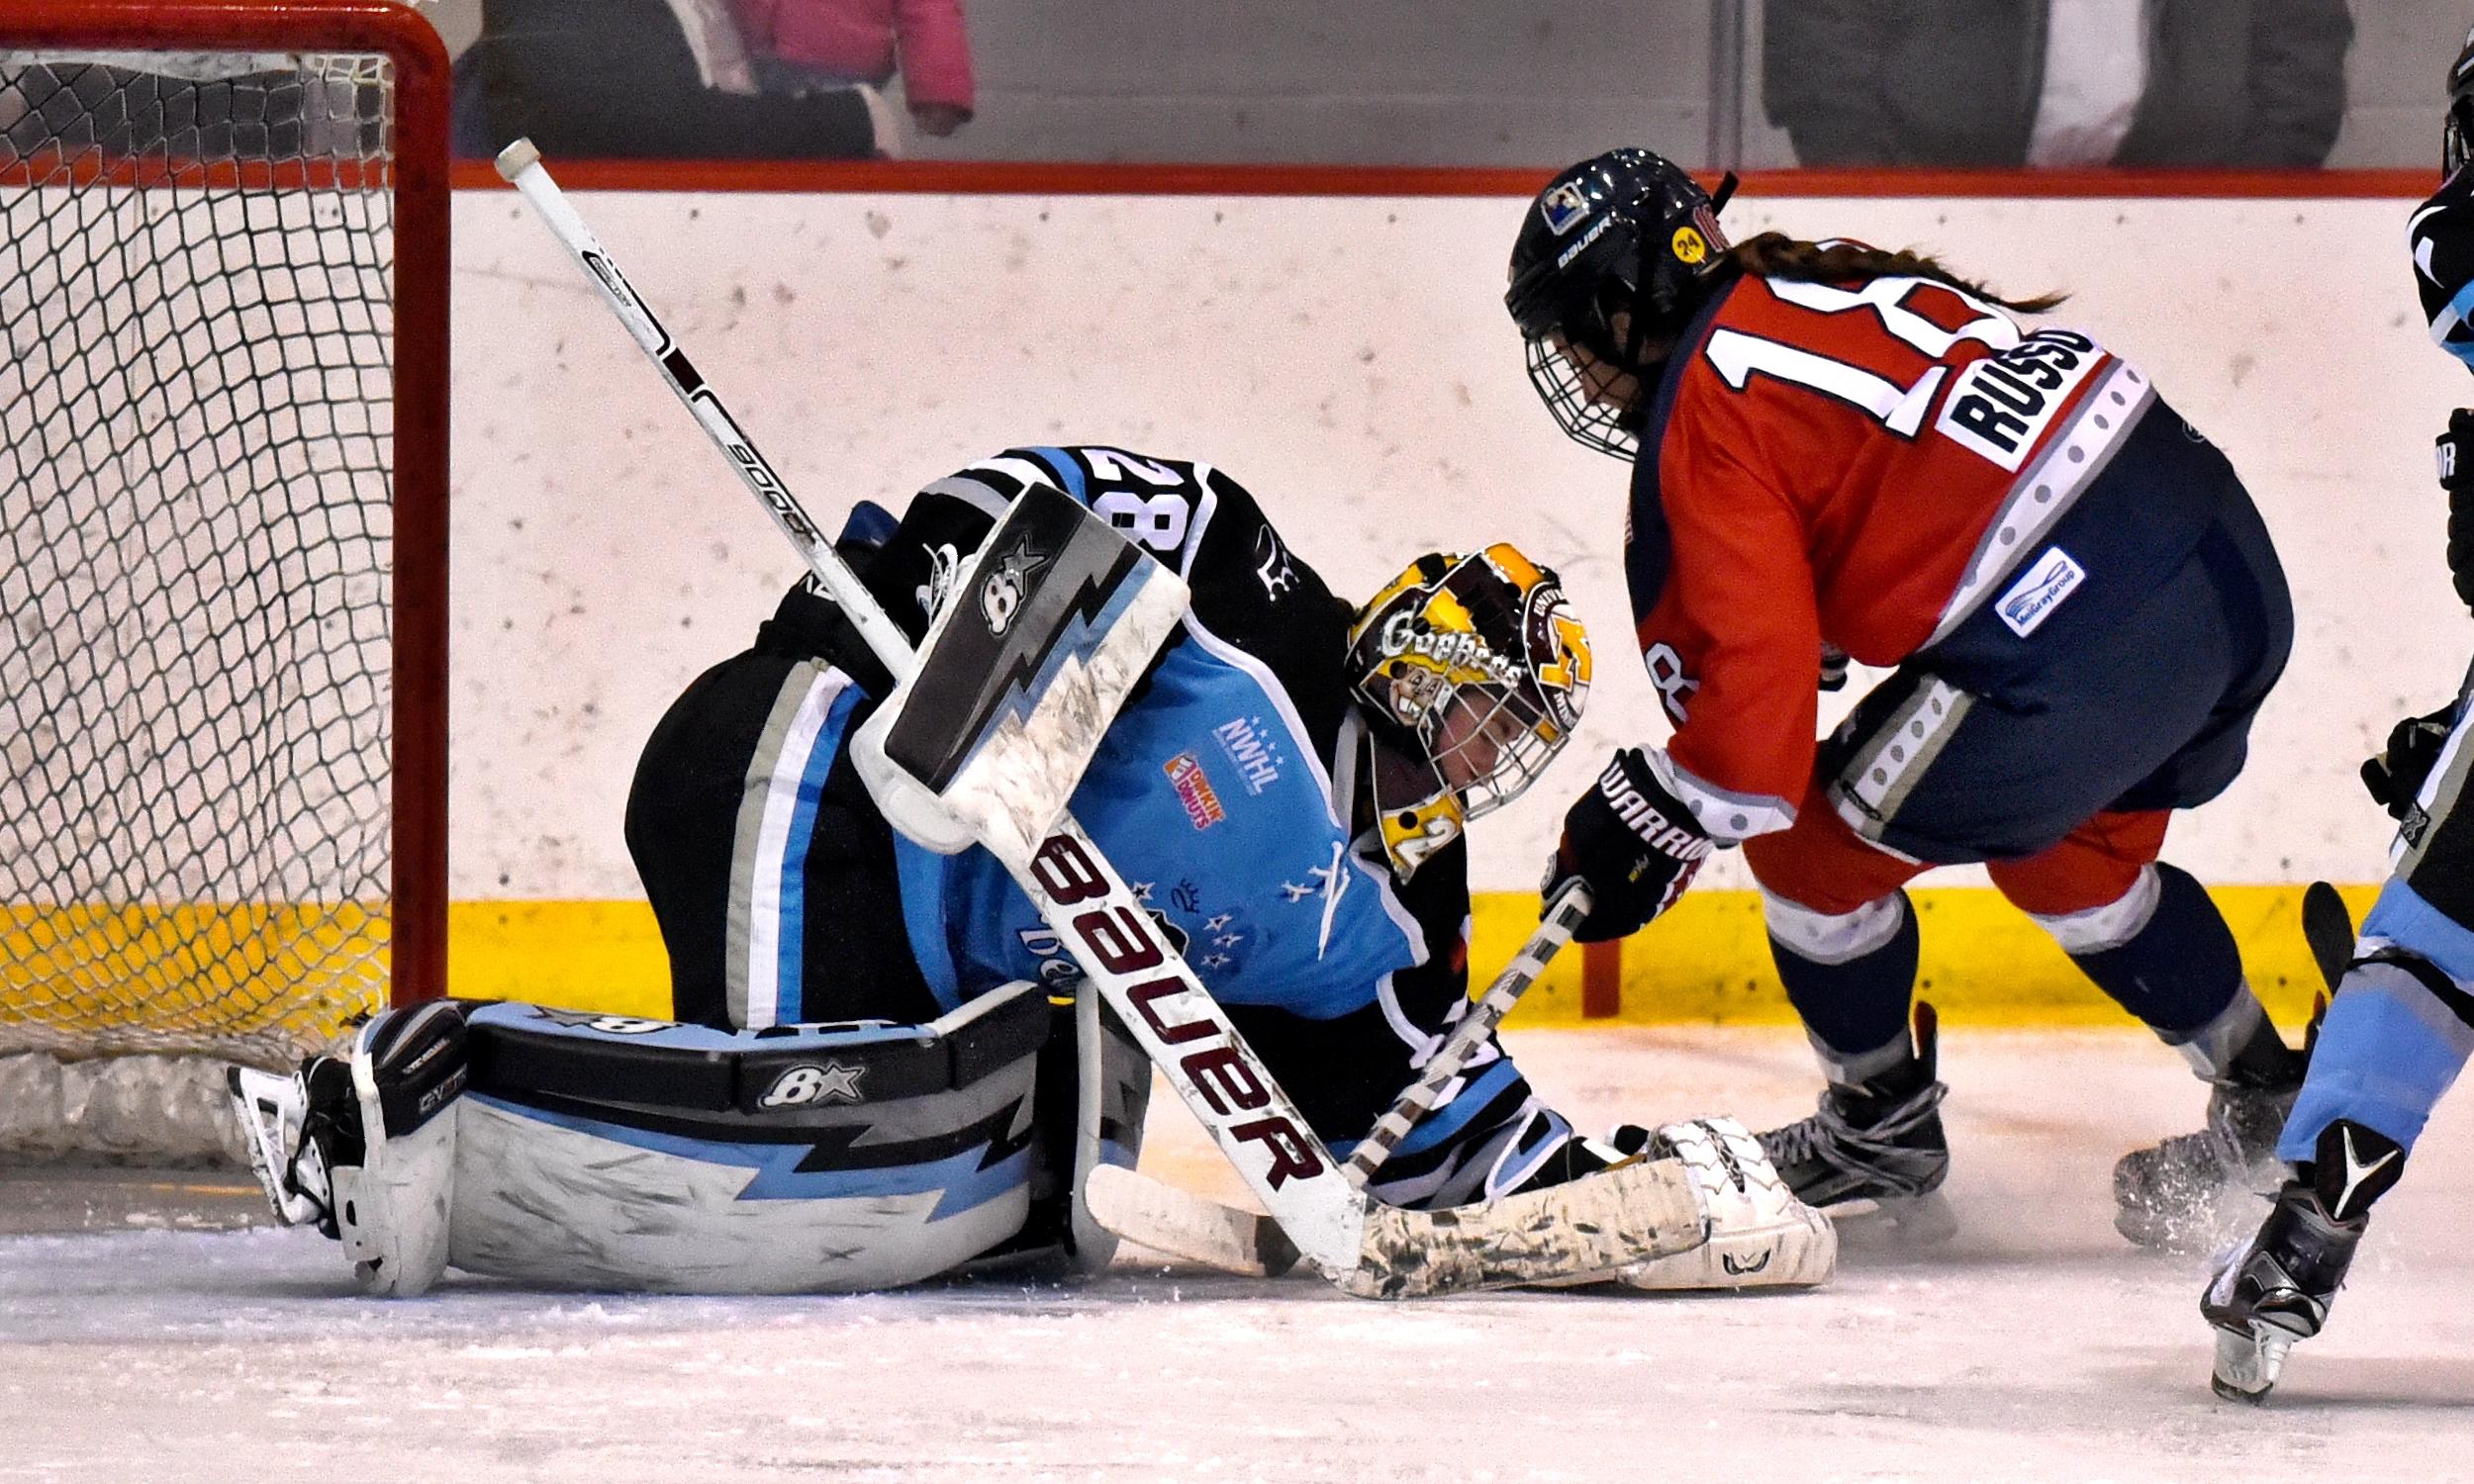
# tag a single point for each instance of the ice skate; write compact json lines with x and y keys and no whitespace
{"x":2276,"y":1288}
{"x":282,"y":1120}
{"x":1877,"y":1141}
{"x":2170,"y":1194}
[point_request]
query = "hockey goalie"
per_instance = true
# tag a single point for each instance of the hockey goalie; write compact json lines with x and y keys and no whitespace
{"x":880,"y":1068}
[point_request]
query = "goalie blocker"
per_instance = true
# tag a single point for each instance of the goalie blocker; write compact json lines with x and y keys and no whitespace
{"x":573,"y":1150}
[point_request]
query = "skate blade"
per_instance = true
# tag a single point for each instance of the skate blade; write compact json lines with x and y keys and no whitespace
{"x":2248,"y":1361}
{"x":1895,"y":1223}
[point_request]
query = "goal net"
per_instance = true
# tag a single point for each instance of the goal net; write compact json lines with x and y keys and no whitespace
{"x":222,"y":374}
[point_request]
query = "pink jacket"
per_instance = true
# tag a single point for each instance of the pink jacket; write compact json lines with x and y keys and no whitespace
{"x":858,"y":38}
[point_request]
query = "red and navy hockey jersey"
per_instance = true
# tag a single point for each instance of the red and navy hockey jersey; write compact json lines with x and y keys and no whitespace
{"x":1865,"y":467}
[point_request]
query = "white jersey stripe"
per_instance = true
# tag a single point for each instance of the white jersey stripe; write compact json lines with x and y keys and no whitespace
{"x":769,"y":1001}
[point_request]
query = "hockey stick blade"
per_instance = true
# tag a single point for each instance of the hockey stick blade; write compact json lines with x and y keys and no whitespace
{"x":2327,"y":926}
{"x":1593,"y":1226}
{"x":1180,"y":1224}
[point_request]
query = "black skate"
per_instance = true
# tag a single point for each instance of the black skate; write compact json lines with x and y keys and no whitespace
{"x":1879,"y":1141}
{"x":2276,"y":1288}
{"x":2168,"y":1194}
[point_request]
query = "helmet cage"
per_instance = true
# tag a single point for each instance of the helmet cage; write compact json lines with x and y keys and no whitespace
{"x":1584,"y":417}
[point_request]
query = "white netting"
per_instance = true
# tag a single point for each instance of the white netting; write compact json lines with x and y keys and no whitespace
{"x":196,"y":342}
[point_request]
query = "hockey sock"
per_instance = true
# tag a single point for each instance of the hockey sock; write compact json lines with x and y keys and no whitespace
{"x":2397,"y":1033}
{"x":1850,"y":976}
{"x":2163,"y":953}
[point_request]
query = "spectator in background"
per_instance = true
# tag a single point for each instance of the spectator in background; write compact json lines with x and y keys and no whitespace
{"x":2058,"y":82}
{"x":802,"y":45}
{"x":644,"y":79}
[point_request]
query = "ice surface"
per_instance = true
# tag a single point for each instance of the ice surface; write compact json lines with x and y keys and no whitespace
{"x":2034,"y":1347}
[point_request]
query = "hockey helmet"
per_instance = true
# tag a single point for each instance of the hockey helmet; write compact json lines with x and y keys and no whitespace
{"x":1625,"y":232}
{"x":1476,"y":666}
{"x":2457,"y":137}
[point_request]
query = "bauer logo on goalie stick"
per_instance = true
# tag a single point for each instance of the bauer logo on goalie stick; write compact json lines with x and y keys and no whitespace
{"x":1121,"y":941}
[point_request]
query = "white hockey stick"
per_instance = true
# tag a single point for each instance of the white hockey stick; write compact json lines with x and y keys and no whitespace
{"x":1615,"y":1220}
{"x":1166,"y":1219}
{"x":1562,"y":918}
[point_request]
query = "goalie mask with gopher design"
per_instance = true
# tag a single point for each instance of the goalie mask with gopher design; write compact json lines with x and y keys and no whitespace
{"x":1475,"y":669}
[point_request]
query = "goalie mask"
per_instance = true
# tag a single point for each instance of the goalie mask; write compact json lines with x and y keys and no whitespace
{"x":1623,"y":234}
{"x":1475,"y":667}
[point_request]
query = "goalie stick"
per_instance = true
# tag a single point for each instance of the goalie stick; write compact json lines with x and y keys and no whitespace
{"x":1177,"y":1222}
{"x":1615,"y":1219}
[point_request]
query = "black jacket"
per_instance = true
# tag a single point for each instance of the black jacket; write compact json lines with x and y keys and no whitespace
{"x":2255,"y":83}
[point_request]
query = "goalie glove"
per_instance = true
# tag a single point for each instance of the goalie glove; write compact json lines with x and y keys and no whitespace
{"x":1632,"y":843}
{"x":2395,"y":778}
{"x":2455,"y":450}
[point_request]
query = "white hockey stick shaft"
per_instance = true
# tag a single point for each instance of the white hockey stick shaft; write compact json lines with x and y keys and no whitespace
{"x":1075,"y":888}
{"x":520,"y":163}
{"x":1562,"y":918}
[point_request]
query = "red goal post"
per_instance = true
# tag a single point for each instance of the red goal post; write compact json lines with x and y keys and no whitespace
{"x":224,"y":230}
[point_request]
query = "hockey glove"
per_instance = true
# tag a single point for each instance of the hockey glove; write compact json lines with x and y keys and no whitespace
{"x":1632,"y":843}
{"x":2396,"y":776}
{"x":2456,"y":476}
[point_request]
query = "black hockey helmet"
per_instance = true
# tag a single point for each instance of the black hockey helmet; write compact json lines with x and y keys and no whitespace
{"x":2457,"y":137}
{"x":1625,"y":232}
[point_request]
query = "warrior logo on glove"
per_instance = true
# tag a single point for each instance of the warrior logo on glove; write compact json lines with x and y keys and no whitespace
{"x":1633,"y":842}
{"x":1479,"y":662}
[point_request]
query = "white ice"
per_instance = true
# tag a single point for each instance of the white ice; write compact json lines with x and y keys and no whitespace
{"x":2036,"y":1345}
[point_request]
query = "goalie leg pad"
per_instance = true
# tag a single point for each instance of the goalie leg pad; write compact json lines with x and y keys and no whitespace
{"x":631,"y":1154}
{"x":1115,"y":1095}
{"x":393,"y":1207}
{"x":1759,"y":1234}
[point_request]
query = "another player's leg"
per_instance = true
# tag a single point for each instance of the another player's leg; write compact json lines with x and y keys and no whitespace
{"x":1844,"y":940}
{"x":2398,"y":1032}
{"x":2148,"y":935}
{"x":2276,"y":1289}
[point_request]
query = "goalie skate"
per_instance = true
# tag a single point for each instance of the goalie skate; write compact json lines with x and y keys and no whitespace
{"x":1759,"y":1234}
{"x":273,"y":1113}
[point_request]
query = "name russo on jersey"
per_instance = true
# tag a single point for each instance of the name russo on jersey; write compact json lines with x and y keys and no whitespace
{"x":2000,"y":404}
